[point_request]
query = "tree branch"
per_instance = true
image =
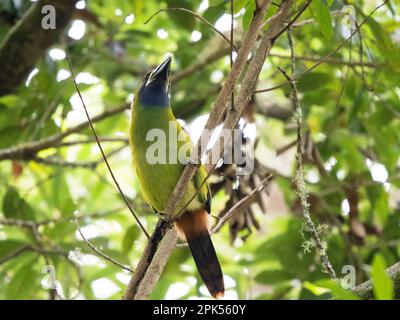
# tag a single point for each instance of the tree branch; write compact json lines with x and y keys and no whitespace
{"x":27,"y":150}
{"x":158,"y":250}
{"x":98,"y":252}
{"x":242,"y":203}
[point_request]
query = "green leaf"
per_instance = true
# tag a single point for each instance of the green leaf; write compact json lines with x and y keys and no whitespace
{"x":16,"y":207}
{"x":182,"y":19}
{"x":248,"y":14}
{"x":9,"y":245}
{"x":138,"y":10}
{"x":130,"y":236}
{"x":238,"y":5}
{"x":273,"y":276}
{"x":382,"y":284}
{"x":214,"y":3}
{"x":336,"y":289}
{"x":320,"y":12}
{"x":382,"y":209}
{"x":61,"y":195}
{"x":212,"y":14}
{"x":23,"y":283}
{"x":312,"y":81}
{"x":385,"y":44}
{"x":378,"y":198}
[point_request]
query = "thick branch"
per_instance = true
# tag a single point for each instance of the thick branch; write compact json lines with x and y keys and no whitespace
{"x":153,"y":245}
{"x":27,"y":41}
{"x":220,"y":104}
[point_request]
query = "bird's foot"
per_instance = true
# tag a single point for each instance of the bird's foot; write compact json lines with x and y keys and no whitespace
{"x":163,"y":216}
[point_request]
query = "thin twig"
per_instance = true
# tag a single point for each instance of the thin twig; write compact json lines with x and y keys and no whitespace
{"x":92,"y":140}
{"x":15,"y":253}
{"x":27,"y":150}
{"x":103,"y":154}
{"x":98,"y":252}
{"x":196,"y":16}
{"x":242,"y":203}
{"x":53,"y":161}
{"x":330,"y":61}
{"x":285,"y":148}
{"x":333,"y":13}
{"x":326,"y":57}
{"x":298,"y":14}
{"x":356,"y":30}
{"x":30,"y":247}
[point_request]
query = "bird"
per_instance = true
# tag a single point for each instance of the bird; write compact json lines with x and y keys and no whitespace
{"x":151,"y":114}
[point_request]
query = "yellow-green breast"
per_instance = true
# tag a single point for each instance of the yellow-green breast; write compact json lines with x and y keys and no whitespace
{"x":158,"y":180}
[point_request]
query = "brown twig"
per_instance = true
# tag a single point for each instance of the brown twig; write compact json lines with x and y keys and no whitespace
{"x":53,"y":161}
{"x":91,"y":140}
{"x":27,"y":150}
{"x":242,"y":203}
{"x":330,"y":61}
{"x":30,"y":247}
{"x":98,"y":252}
{"x":196,"y":16}
{"x":326,"y":57}
{"x":298,"y":14}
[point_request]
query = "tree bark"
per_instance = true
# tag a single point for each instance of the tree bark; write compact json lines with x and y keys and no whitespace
{"x":27,"y":41}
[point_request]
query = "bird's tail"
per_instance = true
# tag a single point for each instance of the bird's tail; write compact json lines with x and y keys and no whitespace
{"x":194,"y":226}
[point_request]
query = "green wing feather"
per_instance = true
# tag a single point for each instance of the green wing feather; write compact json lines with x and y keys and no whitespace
{"x":159,"y":180}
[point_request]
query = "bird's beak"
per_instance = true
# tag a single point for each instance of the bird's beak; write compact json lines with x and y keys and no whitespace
{"x":161,"y":72}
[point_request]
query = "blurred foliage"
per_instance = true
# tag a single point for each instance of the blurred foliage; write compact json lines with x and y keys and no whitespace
{"x":351,"y":109}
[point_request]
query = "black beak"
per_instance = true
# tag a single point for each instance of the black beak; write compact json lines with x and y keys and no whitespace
{"x":161,"y":72}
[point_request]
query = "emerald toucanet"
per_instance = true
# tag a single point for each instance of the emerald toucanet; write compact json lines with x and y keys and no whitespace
{"x":151,"y":112}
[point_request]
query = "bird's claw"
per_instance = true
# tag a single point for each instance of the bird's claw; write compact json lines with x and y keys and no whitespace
{"x":163,"y":216}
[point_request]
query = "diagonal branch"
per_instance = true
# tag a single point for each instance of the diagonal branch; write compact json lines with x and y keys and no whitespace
{"x":196,"y":16}
{"x":242,"y":203}
{"x":163,"y":240}
{"x":98,"y":252}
